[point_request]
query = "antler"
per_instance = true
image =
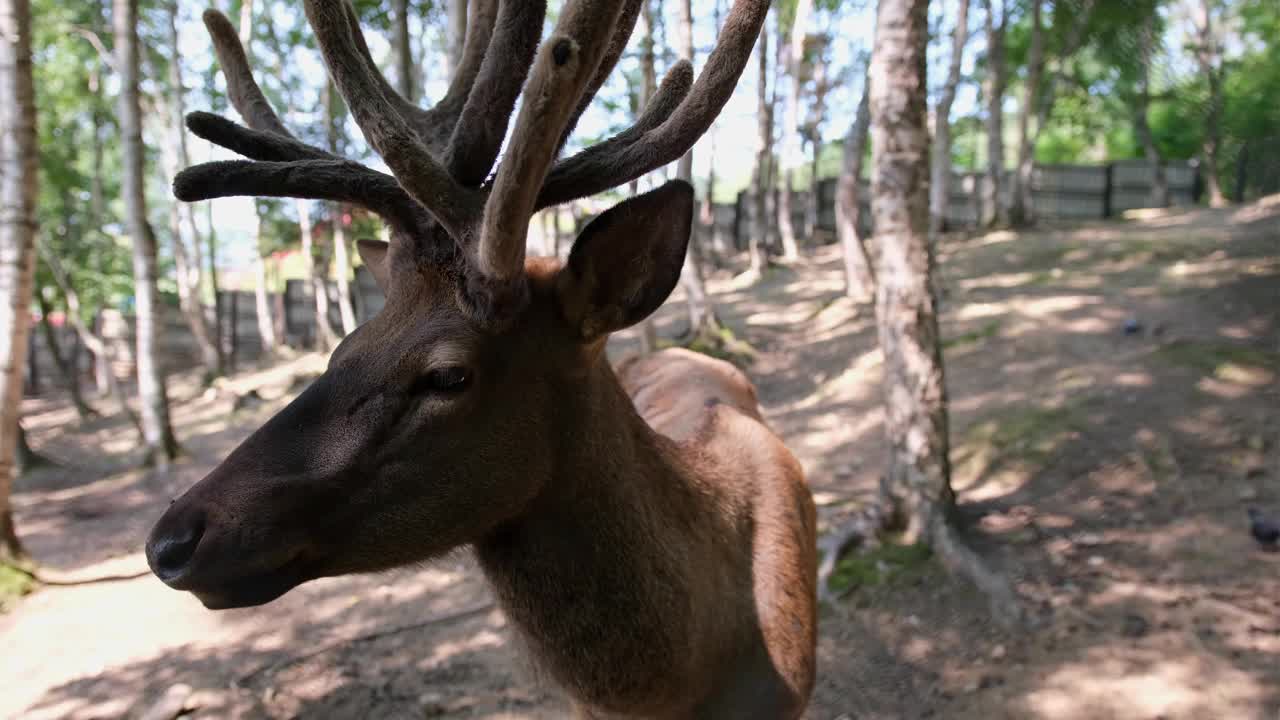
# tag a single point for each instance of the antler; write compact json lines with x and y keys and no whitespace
{"x":441,"y":157}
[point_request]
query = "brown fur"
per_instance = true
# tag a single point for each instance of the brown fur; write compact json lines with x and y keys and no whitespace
{"x":651,"y":540}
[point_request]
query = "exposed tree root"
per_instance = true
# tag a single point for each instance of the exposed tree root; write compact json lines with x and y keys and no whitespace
{"x":960,"y":560}
{"x":58,"y":580}
{"x":862,"y":530}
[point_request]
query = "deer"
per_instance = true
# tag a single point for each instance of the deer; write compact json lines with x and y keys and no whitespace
{"x":649,"y":538}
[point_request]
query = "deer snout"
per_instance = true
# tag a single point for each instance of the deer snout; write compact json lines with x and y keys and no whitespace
{"x":173,"y":542}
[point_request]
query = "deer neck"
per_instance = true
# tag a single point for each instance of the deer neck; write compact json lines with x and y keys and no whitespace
{"x":601,"y":576}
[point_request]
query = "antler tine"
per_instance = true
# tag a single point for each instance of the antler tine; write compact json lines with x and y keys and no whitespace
{"x":412,"y":114}
{"x":319,"y":179}
{"x":255,"y":144}
{"x":244,"y":92}
{"x":626,"y":25}
{"x":564,"y":65}
{"x":443,"y":117}
{"x":614,"y":163}
{"x":570,"y":175}
{"x":386,"y":130}
{"x":477,"y":136}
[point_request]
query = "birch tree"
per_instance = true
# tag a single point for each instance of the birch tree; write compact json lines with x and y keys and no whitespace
{"x":859,"y":277}
{"x":457,"y":33}
{"x":993,"y":93}
{"x":916,"y":490}
{"x":1147,"y":40}
{"x":161,"y":445}
{"x":760,"y":176}
{"x":402,"y":49}
{"x":703,"y":324}
{"x":1020,"y":183}
{"x":791,"y":127}
{"x":1207,"y":48}
{"x":334,"y":114}
{"x":183,"y":222}
{"x":19,"y":166}
{"x":940,"y":186}
{"x":648,"y":330}
{"x":261,"y":300}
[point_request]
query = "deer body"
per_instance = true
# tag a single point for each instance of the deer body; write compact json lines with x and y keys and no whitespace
{"x":675,"y":580}
{"x":648,"y":536}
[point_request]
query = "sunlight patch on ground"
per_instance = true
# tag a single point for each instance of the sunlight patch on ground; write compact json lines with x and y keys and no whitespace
{"x":1102,"y":687}
{"x":860,"y":377}
{"x":490,"y":637}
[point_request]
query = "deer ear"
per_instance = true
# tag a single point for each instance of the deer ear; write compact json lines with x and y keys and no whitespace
{"x":374,"y":255}
{"x":627,"y":261}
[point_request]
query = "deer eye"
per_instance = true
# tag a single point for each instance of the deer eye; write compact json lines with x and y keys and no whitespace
{"x":446,"y":379}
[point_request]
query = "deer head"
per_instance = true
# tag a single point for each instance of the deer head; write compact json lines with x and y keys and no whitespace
{"x":439,"y":419}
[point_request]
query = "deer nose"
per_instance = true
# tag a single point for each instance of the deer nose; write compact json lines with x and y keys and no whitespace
{"x":173,"y":544}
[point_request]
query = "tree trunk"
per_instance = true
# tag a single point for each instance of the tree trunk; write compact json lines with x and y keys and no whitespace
{"x":648,"y":62}
{"x":211,"y":244}
{"x":402,"y":49}
{"x":103,"y":355}
{"x":161,"y":446}
{"x":993,"y":90}
{"x":326,"y":338}
{"x":261,"y":298}
{"x":19,"y":168}
{"x":1211,"y":67}
{"x":918,"y":477}
{"x":940,"y":186}
{"x":262,"y":302}
{"x":1048,"y":94}
{"x":917,"y":483}
{"x":791,"y":138}
{"x":760,"y":178}
{"x":774,"y":182}
{"x":1142,"y":128}
{"x":703,"y":324}
{"x":66,"y":365}
{"x":786,"y":223}
{"x":25,"y":458}
{"x":1020,"y":208}
{"x":860,"y":279}
{"x":548,"y":233}
{"x":812,"y":209}
{"x":189,"y":270}
{"x":714,"y":247}
{"x":648,"y":330}
{"x":96,"y":192}
{"x":341,"y":242}
{"x":457,"y":33}
{"x":342,"y":259}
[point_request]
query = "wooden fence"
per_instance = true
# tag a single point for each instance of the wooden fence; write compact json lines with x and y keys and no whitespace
{"x":1059,"y":192}
{"x":235,"y":320}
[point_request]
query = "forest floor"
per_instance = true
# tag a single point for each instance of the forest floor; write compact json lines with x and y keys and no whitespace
{"x":1109,"y":472}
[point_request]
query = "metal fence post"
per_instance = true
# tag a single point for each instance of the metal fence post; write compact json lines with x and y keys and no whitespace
{"x":1108,"y":172}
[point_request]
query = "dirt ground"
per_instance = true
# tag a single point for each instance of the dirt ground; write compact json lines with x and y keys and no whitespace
{"x":1109,"y":472}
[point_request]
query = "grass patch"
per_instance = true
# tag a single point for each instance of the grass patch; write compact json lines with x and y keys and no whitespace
{"x":1011,"y":447}
{"x":986,"y":332}
{"x":1219,"y":359}
{"x":1031,"y":432}
{"x":884,"y":565}
{"x":721,"y":344}
{"x":14,"y":585}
